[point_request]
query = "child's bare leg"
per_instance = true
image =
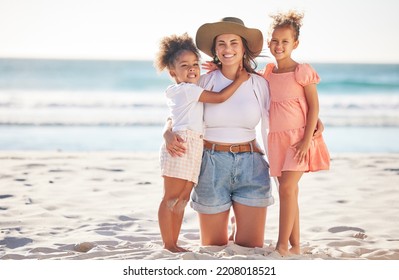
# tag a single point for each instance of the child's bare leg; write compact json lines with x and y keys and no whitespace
{"x":177,"y":221}
{"x":165,"y":225}
{"x":169,"y":222}
{"x":295,"y":234}
{"x":178,"y":207}
{"x":180,"y":204}
{"x":288,"y":209}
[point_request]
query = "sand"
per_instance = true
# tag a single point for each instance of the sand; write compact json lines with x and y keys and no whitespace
{"x":74,"y":206}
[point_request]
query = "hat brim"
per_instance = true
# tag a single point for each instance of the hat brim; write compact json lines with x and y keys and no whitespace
{"x":209,"y":31}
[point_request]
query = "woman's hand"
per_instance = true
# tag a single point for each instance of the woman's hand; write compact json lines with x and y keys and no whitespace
{"x":242,"y":75}
{"x":174,"y":143}
{"x":319,"y":128}
{"x":210,"y":66}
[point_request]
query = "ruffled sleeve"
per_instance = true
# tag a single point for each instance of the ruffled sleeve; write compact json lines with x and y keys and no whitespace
{"x":306,"y":75}
{"x":267,"y":70}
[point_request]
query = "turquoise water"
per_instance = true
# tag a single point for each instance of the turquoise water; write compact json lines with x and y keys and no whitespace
{"x":149,"y":138}
{"x":119,"y":105}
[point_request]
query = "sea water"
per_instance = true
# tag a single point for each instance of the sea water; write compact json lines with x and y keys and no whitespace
{"x":94,"y":105}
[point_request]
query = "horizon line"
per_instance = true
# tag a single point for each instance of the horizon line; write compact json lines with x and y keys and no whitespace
{"x":150,"y":60}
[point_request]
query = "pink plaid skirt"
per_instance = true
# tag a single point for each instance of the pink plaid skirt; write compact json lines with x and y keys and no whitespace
{"x":188,"y":166}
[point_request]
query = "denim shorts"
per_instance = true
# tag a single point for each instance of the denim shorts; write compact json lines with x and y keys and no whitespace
{"x":226,"y":177}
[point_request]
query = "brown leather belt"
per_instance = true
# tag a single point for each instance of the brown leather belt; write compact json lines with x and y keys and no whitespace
{"x":234,"y":148}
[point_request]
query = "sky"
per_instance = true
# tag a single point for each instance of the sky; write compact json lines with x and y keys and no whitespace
{"x":353,"y":31}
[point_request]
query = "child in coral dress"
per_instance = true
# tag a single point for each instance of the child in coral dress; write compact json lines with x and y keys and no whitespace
{"x":293,"y":148}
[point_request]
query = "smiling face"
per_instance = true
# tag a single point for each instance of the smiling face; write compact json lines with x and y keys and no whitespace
{"x":229,"y":49}
{"x":186,"y":68}
{"x":282,"y":43}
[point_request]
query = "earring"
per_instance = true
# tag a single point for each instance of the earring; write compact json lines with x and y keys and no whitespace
{"x":216,"y":60}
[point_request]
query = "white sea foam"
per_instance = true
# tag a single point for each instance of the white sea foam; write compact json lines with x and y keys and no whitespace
{"x":81,"y":108}
{"x":360,"y":110}
{"x":149,"y":108}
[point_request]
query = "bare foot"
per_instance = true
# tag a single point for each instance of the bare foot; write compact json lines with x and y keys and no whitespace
{"x":295,"y":250}
{"x":233,"y":228}
{"x":183,"y":249}
{"x":282,"y":251}
{"x":173,"y":249}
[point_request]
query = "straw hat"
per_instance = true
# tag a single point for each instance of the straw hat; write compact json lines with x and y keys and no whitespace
{"x":228,"y":25}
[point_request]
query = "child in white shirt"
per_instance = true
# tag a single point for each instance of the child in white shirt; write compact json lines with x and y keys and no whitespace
{"x":180,"y":56}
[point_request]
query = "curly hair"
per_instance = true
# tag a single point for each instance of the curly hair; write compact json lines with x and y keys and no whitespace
{"x":291,"y":19}
{"x":171,"y":47}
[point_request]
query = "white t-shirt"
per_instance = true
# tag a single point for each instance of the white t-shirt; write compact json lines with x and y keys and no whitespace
{"x":185,"y":109}
{"x":235,"y":120}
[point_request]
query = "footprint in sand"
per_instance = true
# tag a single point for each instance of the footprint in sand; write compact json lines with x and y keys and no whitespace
{"x":15,"y":242}
{"x":345,"y":228}
{"x":360,"y":235}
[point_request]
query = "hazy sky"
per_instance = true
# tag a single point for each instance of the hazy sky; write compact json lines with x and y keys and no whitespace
{"x":333,"y":30}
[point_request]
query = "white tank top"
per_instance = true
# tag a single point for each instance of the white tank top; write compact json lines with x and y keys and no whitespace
{"x":234,"y":120}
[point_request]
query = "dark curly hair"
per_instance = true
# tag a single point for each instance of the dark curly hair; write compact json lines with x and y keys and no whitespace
{"x":171,"y":47}
{"x":291,"y":19}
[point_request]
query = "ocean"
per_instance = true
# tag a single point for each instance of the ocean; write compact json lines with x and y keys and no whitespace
{"x":104,"y":105}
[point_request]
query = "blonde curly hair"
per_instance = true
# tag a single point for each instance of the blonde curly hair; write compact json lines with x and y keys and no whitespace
{"x":292,"y":19}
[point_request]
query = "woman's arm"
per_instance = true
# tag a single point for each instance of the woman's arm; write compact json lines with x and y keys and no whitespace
{"x":319,"y":128}
{"x":174,"y":143}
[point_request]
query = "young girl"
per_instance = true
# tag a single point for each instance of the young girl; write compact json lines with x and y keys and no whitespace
{"x":179,"y":55}
{"x":293,"y":147}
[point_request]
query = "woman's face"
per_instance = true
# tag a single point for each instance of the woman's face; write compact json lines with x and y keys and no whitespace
{"x":229,"y":49}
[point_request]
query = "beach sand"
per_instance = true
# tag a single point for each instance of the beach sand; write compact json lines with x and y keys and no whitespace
{"x":62,"y":206}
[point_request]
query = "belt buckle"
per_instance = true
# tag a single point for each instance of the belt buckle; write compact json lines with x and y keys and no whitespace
{"x":231,"y":148}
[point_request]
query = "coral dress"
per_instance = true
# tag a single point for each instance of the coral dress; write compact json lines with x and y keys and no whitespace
{"x":288,"y":111}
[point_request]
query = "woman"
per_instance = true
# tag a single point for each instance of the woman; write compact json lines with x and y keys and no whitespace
{"x":234,"y":172}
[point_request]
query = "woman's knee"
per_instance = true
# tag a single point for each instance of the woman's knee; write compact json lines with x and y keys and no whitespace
{"x":250,"y":242}
{"x":214,"y":228}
